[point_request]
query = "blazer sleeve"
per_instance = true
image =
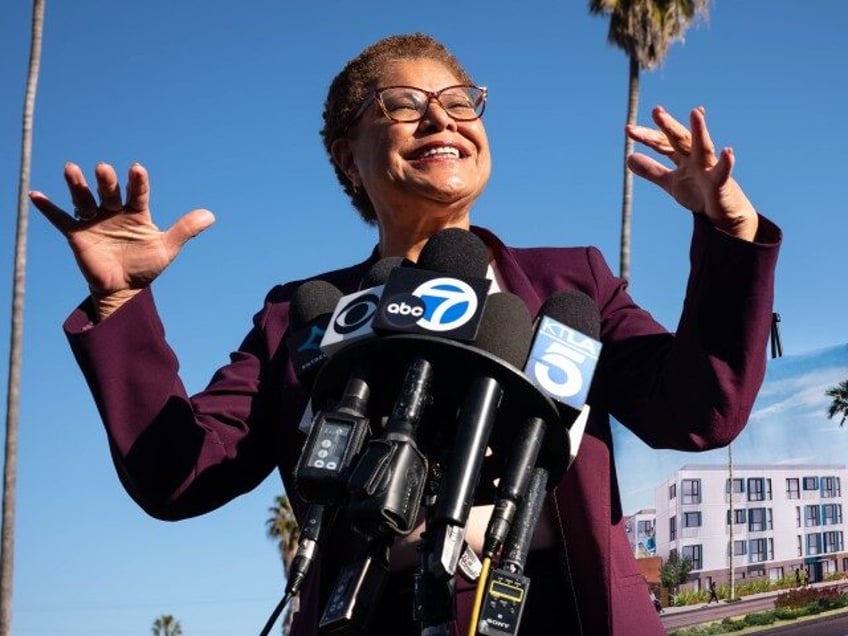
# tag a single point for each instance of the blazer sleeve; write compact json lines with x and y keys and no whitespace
{"x":179,"y":455}
{"x":692,"y":389}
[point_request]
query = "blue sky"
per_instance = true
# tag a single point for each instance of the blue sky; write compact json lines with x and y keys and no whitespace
{"x":222,"y":101}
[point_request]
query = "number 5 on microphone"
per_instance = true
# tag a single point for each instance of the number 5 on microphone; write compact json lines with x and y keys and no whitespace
{"x":562,"y":362}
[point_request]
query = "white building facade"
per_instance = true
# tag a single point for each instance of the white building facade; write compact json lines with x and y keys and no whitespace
{"x":784,"y":517}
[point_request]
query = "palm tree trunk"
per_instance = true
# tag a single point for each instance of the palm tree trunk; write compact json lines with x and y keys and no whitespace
{"x":627,"y":191}
{"x":7,"y":541}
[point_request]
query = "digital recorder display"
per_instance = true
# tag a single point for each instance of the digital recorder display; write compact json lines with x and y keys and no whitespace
{"x":328,"y":451}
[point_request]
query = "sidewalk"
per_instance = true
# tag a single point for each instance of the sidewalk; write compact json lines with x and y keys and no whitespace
{"x":841,"y":584}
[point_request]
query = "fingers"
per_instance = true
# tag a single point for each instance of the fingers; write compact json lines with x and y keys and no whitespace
{"x":187,"y":227}
{"x":648,"y":168}
{"x":60,"y":219}
{"x":702,"y":144}
{"x":675,"y":141}
{"x":108,"y":188}
{"x":138,"y":189}
{"x":677,"y":134}
{"x":85,"y":206}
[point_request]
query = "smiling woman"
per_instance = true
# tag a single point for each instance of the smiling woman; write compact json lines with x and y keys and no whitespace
{"x":404,"y":131}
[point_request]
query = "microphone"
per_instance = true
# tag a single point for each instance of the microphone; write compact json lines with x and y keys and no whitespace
{"x":352,"y":317}
{"x":443,"y":294}
{"x":564,"y":355}
{"x":388,"y":482}
{"x":513,"y":484}
{"x":505,"y":332}
{"x":337,"y":435}
{"x":310,"y":309}
{"x":506,"y":588}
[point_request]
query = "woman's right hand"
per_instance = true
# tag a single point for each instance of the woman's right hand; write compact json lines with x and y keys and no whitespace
{"x":117,"y":246}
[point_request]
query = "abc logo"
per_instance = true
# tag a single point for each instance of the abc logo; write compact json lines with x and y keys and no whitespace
{"x":356,"y":314}
{"x":441,"y":304}
{"x":405,"y":310}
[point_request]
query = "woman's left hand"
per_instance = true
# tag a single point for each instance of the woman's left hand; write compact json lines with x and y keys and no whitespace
{"x":700,"y":180}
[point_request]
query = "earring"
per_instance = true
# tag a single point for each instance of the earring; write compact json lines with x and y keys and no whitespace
{"x":354,"y":184}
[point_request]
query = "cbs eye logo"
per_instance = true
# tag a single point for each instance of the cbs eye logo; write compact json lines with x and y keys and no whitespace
{"x":356,"y":314}
{"x":441,"y":304}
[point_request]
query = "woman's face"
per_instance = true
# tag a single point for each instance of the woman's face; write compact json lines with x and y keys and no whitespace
{"x":416,"y":171}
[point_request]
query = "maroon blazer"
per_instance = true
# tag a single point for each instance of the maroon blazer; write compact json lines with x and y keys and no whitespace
{"x":179,"y":455}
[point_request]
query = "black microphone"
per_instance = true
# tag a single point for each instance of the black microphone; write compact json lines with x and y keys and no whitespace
{"x":337,"y":435}
{"x":352,"y":317}
{"x":506,"y":588}
{"x":388,"y":482}
{"x":455,"y":251}
{"x":564,"y":355}
{"x":505,"y":333}
{"x":310,"y":309}
{"x":513,"y":484}
{"x":443,"y":294}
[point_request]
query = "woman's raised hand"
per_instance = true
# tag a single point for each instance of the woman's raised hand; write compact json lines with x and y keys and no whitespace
{"x":700,"y":180}
{"x":117,"y":246}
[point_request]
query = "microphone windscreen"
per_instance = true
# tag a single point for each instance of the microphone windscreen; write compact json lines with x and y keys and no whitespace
{"x":576,"y":310}
{"x":379,"y":272}
{"x":506,"y":328}
{"x":455,"y":251}
{"x":312,"y":299}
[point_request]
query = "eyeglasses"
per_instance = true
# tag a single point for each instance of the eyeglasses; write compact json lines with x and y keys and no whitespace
{"x":409,"y":104}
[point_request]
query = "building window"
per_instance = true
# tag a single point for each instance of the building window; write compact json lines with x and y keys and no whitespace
{"x":830,"y":487}
{"x":812,"y":516}
{"x":694,"y":552}
{"x":811,"y":483}
{"x":793,"y":488}
{"x":645,"y":527}
{"x":740,"y":548}
{"x":759,"y":550}
{"x":691,"y":519}
{"x":738,"y":486}
{"x":831,"y":514}
{"x":813,"y":543}
{"x":691,"y":491}
{"x":672,"y":528}
{"x":759,"y":489}
{"x":739,"y":515}
{"x":800,"y":546}
{"x":797,"y":516}
{"x":759,"y":519}
{"x":672,"y":491}
{"x":832,"y":541}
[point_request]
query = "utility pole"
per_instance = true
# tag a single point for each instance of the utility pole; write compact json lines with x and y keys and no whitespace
{"x":776,"y":352}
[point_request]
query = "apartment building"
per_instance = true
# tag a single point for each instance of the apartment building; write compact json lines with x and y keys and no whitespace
{"x":765,"y":522}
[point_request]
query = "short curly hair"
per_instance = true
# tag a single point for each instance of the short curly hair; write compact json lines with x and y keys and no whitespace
{"x":360,"y":76}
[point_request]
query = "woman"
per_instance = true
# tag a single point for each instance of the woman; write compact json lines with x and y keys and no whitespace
{"x":404,"y":133}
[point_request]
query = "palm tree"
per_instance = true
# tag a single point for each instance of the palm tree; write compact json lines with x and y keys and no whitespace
{"x":282,"y":526}
{"x":7,"y":541}
{"x":643,"y":29}
{"x":167,"y":625}
{"x":839,"y":404}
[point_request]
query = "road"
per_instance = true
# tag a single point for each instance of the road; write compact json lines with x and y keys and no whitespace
{"x":831,"y":625}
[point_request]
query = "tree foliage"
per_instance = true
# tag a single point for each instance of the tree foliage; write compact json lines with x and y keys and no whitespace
{"x":675,"y":571}
{"x":839,"y":401}
{"x":166,"y":625}
{"x":644,"y":29}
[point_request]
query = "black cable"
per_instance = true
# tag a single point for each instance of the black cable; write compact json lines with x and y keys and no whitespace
{"x":275,"y":614}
